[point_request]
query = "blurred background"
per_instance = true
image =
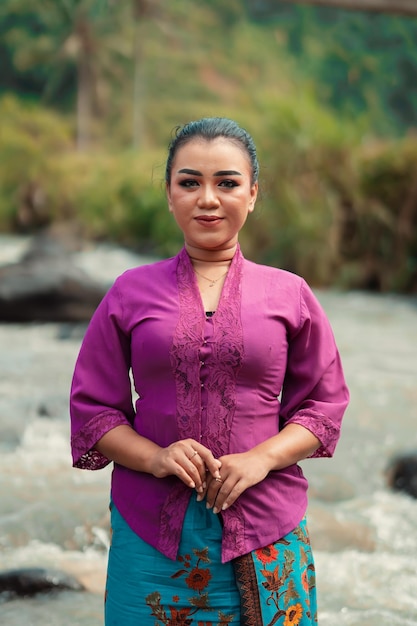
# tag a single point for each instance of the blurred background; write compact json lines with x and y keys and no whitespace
{"x":91,"y":90}
{"x":90,"y":94}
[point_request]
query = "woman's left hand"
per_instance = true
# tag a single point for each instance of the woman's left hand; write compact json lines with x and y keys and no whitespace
{"x":238,"y":473}
{"x":243,"y":470}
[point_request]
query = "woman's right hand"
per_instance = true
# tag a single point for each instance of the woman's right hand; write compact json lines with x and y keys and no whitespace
{"x":188,"y":460}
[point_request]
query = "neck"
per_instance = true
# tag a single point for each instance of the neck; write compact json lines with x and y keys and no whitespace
{"x":219,"y":258}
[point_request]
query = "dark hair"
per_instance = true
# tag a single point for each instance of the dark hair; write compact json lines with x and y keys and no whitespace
{"x":209,"y":128}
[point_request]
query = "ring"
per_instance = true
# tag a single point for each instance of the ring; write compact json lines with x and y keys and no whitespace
{"x":193,"y":454}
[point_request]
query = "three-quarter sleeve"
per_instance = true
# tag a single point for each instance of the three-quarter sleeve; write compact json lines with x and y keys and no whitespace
{"x":101,"y":394}
{"x":314,"y":393}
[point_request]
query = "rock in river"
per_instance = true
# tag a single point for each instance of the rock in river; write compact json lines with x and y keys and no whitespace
{"x":31,"y":581}
{"x":46,"y":286}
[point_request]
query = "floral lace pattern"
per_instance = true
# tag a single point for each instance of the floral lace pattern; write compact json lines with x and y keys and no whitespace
{"x":321,"y":426}
{"x":86,"y":438}
{"x":221,"y":384}
{"x":227,"y":358}
{"x":172,"y":516}
{"x":228,"y":352}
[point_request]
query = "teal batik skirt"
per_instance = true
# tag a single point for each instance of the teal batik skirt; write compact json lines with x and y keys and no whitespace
{"x":272,"y":585}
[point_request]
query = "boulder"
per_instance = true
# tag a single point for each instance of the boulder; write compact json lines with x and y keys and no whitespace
{"x":46,"y":286}
{"x":31,"y":581}
{"x":401,"y":473}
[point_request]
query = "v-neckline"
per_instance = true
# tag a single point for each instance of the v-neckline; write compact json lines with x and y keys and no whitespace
{"x":229,"y":285}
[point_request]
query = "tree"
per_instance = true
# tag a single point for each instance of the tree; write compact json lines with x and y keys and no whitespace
{"x":142,"y":10}
{"x":63,"y":41}
{"x":395,"y":7}
{"x":360,"y":63}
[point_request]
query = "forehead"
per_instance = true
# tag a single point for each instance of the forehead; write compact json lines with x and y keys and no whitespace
{"x":212,"y":152}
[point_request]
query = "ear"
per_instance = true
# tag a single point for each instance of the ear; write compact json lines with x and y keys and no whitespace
{"x":168,"y":194}
{"x":253,"y":196}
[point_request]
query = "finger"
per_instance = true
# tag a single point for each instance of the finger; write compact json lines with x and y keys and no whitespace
{"x":213,"y":491}
{"x":199,"y":463}
{"x":183,"y":460}
{"x":185,"y":468}
{"x":226,"y":497}
{"x":199,"y":457}
{"x":207,"y":478}
{"x":210,"y":463}
{"x":196,"y":469}
{"x":185,"y":476}
{"x":200,"y":466}
{"x":193,"y":454}
{"x":196,"y":461}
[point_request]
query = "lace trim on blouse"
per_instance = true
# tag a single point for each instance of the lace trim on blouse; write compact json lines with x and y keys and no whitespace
{"x":222,"y":371}
{"x":86,"y":438}
{"x":321,"y":427}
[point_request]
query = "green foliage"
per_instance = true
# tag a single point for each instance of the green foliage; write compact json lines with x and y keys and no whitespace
{"x":299,"y":207}
{"x":331,"y":208}
{"x":359,"y":63}
{"x":30,"y":139}
{"x":336,"y":205}
{"x":335,"y":209}
{"x":42,"y":47}
{"x":43,"y":179}
{"x":119,"y":200}
{"x":388,"y":238}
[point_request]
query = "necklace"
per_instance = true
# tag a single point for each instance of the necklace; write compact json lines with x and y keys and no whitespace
{"x":212,"y":281}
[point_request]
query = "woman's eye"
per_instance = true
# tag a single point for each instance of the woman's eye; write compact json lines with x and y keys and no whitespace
{"x":188,"y":183}
{"x":228,"y":183}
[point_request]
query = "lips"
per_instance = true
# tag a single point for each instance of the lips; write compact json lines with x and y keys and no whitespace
{"x":208,"y":220}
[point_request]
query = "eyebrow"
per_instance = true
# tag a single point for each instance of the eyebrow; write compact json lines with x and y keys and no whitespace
{"x":186,"y":170}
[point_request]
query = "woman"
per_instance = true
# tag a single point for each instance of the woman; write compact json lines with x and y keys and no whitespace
{"x":238,"y":378}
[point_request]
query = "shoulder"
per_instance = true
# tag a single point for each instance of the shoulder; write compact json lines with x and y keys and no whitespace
{"x":139,"y":285}
{"x":147,"y":279}
{"x":284,"y":291}
{"x":148,"y":271}
{"x":274,"y":276}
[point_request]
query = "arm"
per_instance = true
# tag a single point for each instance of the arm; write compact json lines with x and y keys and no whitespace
{"x":101,"y":395}
{"x":294,"y":443}
{"x":314,"y":393}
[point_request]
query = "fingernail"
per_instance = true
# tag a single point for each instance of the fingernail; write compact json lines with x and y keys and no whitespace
{"x":199,"y":497}
{"x":208,"y":505}
{"x":192,"y":485}
{"x":224,"y":507}
{"x":215,"y":510}
{"x":204,"y":486}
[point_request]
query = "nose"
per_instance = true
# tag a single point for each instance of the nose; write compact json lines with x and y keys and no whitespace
{"x":207,"y":198}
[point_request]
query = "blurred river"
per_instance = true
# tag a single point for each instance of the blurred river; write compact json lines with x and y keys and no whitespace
{"x":364,"y":536}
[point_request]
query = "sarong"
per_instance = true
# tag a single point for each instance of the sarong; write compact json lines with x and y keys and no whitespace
{"x":272,"y":585}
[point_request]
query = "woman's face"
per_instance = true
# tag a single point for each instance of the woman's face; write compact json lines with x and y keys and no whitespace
{"x":210,"y":193}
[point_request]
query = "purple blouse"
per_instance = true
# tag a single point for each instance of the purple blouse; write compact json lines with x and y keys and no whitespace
{"x":266,"y":358}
